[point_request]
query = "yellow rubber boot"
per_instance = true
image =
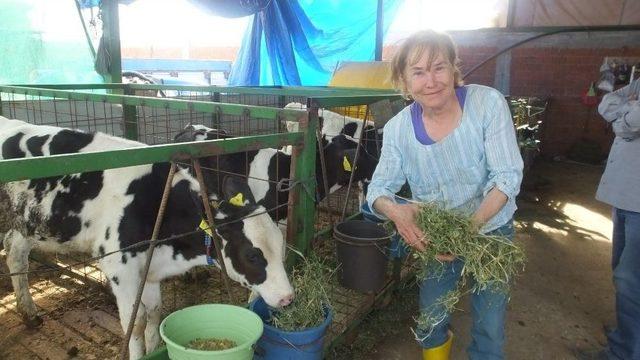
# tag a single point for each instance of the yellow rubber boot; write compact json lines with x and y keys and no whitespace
{"x":440,"y":352}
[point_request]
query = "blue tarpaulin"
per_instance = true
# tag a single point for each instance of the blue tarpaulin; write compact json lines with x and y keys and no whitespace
{"x":299,"y":42}
{"x":88,"y":3}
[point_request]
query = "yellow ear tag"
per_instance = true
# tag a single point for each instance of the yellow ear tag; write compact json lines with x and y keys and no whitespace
{"x":237,"y":200}
{"x":345,"y":164}
{"x":204,"y":226}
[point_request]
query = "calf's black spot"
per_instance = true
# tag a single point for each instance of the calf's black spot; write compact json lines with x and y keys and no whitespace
{"x":255,"y":269}
{"x":63,"y":221}
{"x":35,"y":143}
{"x":11,"y":147}
{"x":69,"y":141}
{"x":181,"y":216}
{"x":350,"y":129}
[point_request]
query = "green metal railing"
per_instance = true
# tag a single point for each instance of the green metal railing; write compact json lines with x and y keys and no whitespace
{"x":57,"y":165}
{"x":320,"y":96}
{"x":176,"y":104}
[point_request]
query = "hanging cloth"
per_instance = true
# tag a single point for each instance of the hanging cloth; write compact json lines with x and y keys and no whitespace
{"x":299,"y":42}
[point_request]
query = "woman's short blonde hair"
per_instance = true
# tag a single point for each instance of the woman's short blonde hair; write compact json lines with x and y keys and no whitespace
{"x":412,"y":49}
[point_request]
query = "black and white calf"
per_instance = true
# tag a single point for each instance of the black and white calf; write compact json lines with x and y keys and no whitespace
{"x":334,"y":124}
{"x":266,"y":167}
{"x":103,"y":211}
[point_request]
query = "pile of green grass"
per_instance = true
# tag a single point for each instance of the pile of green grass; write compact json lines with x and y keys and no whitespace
{"x":211,"y":344}
{"x":492,"y":261}
{"x":311,"y":281}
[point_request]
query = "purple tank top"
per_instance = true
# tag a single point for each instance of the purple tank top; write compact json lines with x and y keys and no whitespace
{"x":416,"y":117}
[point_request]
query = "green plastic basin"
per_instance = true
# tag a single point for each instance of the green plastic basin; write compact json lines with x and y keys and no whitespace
{"x":220,"y":321}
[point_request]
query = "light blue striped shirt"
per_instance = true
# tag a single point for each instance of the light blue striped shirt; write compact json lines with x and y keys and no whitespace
{"x":459,"y":170}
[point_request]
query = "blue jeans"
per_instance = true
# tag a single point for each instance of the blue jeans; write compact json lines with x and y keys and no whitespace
{"x":487,"y":308}
{"x":624,"y":341}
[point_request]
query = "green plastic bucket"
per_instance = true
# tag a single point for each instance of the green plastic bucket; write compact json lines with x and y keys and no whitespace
{"x":220,"y":321}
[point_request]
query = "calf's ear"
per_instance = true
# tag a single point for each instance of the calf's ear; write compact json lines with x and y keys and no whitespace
{"x":236,"y":191}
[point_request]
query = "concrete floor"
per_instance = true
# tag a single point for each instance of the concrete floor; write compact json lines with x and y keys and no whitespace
{"x":562,"y":300}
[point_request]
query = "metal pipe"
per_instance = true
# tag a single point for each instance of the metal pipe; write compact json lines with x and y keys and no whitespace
{"x":557,"y":30}
{"x":355,"y":161}
{"x":379,"y":30}
{"x":111,"y":33}
{"x":86,"y":32}
{"x":217,"y":244}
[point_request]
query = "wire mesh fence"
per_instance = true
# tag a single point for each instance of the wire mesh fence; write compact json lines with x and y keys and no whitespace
{"x":150,"y":123}
{"x":340,"y":112}
{"x":85,"y":115}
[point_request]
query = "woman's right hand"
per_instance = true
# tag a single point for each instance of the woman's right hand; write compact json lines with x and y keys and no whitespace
{"x":404,"y":218}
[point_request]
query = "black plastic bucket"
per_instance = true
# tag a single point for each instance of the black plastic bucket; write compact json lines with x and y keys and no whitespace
{"x":362,"y":254}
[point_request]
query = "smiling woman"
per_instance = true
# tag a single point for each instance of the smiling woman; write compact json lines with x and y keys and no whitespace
{"x":463,"y":157}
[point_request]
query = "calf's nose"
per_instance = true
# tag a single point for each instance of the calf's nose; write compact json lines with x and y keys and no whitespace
{"x":286,"y":300}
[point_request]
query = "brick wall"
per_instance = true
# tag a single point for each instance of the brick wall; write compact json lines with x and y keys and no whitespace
{"x":563,"y":74}
{"x":561,"y":71}
{"x":470,"y":57}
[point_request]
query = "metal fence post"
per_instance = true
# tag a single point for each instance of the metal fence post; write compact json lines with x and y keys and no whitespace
{"x":111,"y":29}
{"x":130,"y":116}
{"x":300,"y":225}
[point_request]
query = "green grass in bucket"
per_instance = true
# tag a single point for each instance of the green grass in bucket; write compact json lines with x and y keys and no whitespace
{"x":211,"y":344}
{"x":308,"y":309}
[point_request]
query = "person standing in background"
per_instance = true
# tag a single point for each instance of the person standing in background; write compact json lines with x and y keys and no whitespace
{"x":620,"y":188}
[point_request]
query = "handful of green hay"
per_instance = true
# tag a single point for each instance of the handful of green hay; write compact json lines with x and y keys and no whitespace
{"x":211,"y":344}
{"x":310,"y":281}
{"x":492,"y":261}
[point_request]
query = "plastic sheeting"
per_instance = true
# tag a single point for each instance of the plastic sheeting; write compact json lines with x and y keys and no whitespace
{"x":299,"y":42}
{"x":43,"y":42}
{"x":88,"y":3}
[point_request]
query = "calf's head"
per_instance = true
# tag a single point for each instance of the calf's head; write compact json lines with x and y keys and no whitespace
{"x":253,"y":246}
{"x":199,"y":133}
